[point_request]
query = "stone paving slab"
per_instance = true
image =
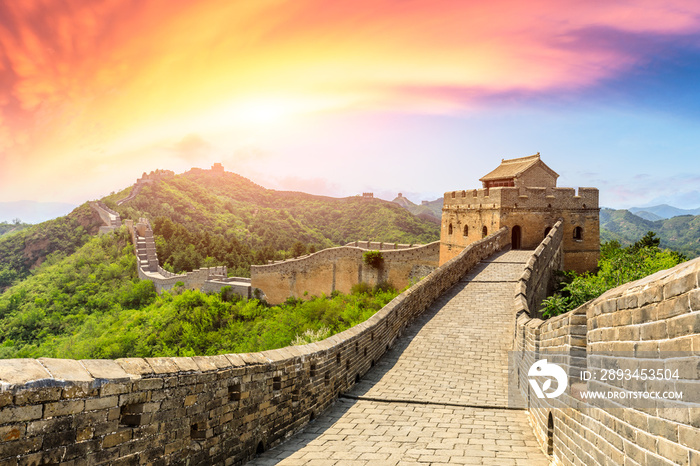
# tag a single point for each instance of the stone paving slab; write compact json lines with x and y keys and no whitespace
{"x":357,"y":432}
{"x":455,"y":354}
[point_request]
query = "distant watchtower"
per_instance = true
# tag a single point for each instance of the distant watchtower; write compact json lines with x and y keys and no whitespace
{"x":217,"y":168}
{"x":522,"y":194}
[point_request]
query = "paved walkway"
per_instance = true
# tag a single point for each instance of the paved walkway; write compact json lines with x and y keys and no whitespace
{"x":440,"y":396}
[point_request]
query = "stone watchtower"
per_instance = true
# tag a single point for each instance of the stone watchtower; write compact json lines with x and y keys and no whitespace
{"x":522,"y":194}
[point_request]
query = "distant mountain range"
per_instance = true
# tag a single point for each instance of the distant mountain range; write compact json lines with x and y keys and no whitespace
{"x":662,"y":211}
{"x":426,"y":210}
{"x":32,"y":211}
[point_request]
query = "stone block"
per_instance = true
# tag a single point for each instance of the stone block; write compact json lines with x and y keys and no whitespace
{"x":135,"y":366}
{"x":62,"y":408}
{"x":67,"y":370}
{"x":679,"y":285}
{"x":20,"y":413}
{"x":117,"y":438}
{"x":12,"y":432}
{"x":683,"y":325}
{"x":154,"y":383}
{"x":22,"y":371}
{"x":673,"y":307}
{"x":186,"y":364}
{"x":104,"y":402}
{"x":36,"y":395}
{"x":204,"y":363}
{"x":163,"y":365}
{"x":105,"y":369}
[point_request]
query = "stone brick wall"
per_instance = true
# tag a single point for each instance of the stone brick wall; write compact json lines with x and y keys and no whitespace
{"x":653,"y":323}
{"x":198,"y":410}
{"x":536,"y":282}
{"x":340,"y":268}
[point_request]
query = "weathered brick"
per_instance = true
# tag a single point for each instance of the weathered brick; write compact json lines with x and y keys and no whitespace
{"x":673,"y":452}
{"x":20,"y":413}
{"x":114,"y":388}
{"x":62,"y":408}
{"x":673,"y":307}
{"x":20,"y":447}
{"x":59,"y":439}
{"x":45,"y":426}
{"x":11,"y":432}
{"x":653,"y":331}
{"x":116,"y":438}
{"x":155,"y":383}
{"x":101,"y":403}
{"x":36,"y":396}
{"x":683,"y":325}
{"x":46,"y":456}
{"x":679,"y":285}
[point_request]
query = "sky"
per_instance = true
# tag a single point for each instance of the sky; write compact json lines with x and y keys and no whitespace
{"x":339,"y":98}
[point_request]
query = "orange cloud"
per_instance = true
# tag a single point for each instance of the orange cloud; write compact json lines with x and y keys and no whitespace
{"x":81,"y":76}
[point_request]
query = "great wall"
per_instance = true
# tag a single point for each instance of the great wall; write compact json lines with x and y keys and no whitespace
{"x":426,"y":379}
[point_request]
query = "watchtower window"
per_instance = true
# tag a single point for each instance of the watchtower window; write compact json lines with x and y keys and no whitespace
{"x":578,"y":234}
{"x":466,"y":230}
{"x":484,"y":232}
{"x":453,"y":194}
{"x":449,"y":229}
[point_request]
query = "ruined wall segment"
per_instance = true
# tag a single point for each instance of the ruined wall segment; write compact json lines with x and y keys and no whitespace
{"x":340,"y":268}
{"x":198,"y":410}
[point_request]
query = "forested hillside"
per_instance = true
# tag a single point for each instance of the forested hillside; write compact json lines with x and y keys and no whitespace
{"x":680,"y":233}
{"x":201,"y":218}
{"x":27,"y":248}
{"x":92,"y":305}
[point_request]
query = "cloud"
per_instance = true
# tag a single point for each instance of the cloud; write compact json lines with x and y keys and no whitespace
{"x":192,"y":148}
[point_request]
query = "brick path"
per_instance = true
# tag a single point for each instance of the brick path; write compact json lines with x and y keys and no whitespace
{"x":438,"y":396}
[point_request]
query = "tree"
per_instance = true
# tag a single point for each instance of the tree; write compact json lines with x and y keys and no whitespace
{"x":298,"y":249}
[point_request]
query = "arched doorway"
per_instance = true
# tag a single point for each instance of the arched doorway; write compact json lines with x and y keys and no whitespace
{"x":515,"y":237}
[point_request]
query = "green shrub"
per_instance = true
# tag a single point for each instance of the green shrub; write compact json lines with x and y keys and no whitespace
{"x":373,"y":259}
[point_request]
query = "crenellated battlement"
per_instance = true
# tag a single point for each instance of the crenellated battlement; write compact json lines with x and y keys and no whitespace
{"x":522,"y":198}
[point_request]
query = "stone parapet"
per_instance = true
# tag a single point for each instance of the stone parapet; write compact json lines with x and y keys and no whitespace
{"x":652,"y":323}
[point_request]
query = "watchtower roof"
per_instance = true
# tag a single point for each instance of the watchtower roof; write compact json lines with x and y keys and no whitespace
{"x":513,"y":168}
